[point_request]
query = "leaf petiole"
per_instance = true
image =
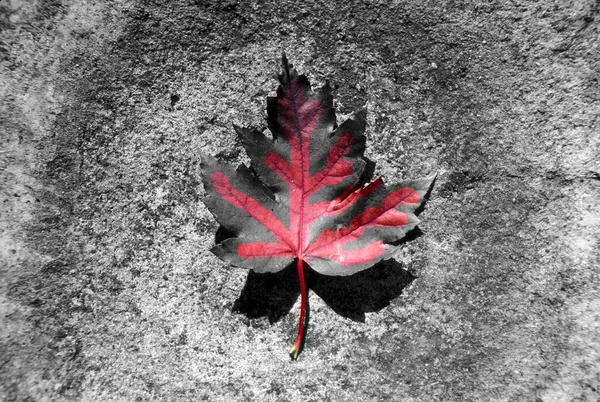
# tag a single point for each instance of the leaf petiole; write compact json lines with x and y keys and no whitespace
{"x":303,"y":322}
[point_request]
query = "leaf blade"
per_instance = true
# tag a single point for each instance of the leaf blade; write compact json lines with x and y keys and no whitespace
{"x":301,"y":199}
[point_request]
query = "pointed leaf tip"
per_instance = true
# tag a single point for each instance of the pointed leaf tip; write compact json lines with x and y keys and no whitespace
{"x":285,"y":76}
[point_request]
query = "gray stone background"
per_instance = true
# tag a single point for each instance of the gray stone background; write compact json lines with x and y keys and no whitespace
{"x":108,"y":290}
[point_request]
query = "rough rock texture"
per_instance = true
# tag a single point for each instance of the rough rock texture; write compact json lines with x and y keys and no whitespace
{"x":107,"y":288}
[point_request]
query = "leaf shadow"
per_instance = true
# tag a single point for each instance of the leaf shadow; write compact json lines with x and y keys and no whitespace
{"x":270,"y":295}
{"x":367,"y":291}
{"x":273,"y":295}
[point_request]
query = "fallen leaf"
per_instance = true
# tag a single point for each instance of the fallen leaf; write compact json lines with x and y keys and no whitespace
{"x":301,"y":199}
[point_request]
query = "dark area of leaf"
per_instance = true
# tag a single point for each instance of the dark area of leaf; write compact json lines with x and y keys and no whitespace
{"x":222,"y":234}
{"x":368,"y":172}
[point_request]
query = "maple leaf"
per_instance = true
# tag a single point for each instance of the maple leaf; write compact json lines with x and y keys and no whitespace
{"x":302,"y":199}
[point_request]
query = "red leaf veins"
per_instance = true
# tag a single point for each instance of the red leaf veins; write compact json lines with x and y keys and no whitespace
{"x":302,"y":200}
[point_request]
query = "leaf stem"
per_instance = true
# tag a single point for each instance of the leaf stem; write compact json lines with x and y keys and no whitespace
{"x":299,"y":344}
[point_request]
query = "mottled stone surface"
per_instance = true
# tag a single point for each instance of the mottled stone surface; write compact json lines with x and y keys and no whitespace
{"x":108,"y":290}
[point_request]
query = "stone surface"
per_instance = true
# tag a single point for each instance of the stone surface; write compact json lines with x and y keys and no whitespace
{"x":108,"y":290}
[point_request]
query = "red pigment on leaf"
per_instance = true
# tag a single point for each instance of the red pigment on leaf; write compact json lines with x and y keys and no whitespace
{"x":303,"y":200}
